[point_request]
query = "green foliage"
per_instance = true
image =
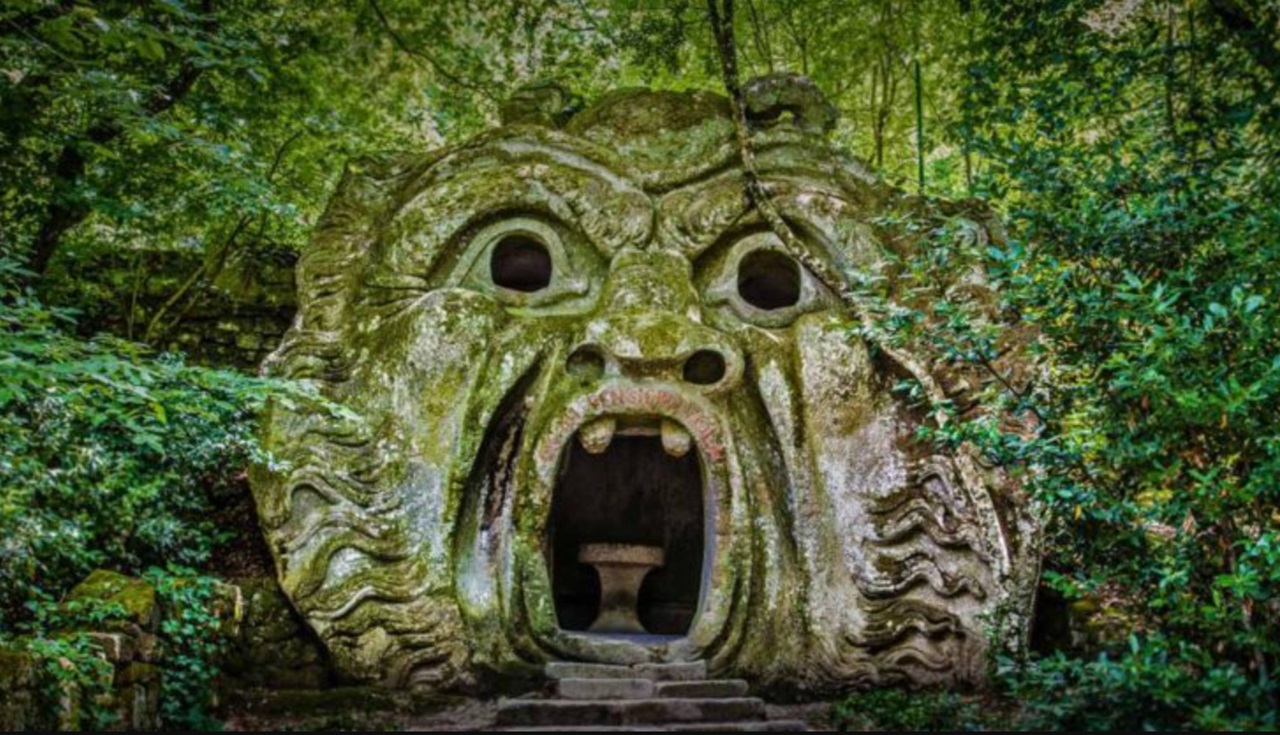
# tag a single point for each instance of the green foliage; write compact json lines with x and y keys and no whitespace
{"x":1152,"y":684}
{"x":192,"y":635}
{"x":1145,"y":253}
{"x":903,"y":710}
{"x":72,"y":664}
{"x":109,"y":455}
{"x":1133,"y":149}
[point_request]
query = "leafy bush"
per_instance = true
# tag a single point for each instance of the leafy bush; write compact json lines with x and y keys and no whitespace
{"x":1135,"y":163}
{"x":110,"y":457}
{"x":1154,"y":684}
{"x":192,"y":637}
{"x":904,"y":710}
{"x":1143,"y":213}
{"x":107,"y":455}
{"x":67,"y":663}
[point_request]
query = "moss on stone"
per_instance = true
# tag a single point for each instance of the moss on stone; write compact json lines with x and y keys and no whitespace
{"x":136,"y":597}
{"x":17,"y":671}
{"x":412,"y":532}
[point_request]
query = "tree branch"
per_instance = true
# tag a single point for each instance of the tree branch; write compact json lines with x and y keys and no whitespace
{"x":66,"y":210}
{"x":435,"y":65}
{"x":210,"y":269}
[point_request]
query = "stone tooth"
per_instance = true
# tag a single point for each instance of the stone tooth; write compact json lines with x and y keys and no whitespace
{"x":596,"y":436}
{"x":675,"y":439}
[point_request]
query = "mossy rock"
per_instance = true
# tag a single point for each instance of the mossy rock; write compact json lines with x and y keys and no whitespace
{"x":136,"y":597}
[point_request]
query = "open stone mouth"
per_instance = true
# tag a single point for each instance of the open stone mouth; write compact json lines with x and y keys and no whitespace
{"x":627,"y":533}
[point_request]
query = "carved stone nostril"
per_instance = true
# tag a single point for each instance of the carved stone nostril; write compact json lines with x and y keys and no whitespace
{"x":586,"y":362}
{"x":704,"y":367}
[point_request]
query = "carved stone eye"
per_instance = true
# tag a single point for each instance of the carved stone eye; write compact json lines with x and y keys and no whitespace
{"x":520,"y":263}
{"x":769,"y":280}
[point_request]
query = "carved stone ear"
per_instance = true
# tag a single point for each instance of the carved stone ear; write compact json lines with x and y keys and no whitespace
{"x":546,"y":103}
{"x":769,"y":97}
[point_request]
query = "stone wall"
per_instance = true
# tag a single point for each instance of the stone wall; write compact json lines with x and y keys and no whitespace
{"x":233,"y":321}
{"x":273,"y":648}
{"x":31,"y":700}
{"x":19,"y":695}
{"x":268,"y":652}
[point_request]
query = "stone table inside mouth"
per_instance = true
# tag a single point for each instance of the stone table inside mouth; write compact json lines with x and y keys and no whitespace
{"x":622,"y":569}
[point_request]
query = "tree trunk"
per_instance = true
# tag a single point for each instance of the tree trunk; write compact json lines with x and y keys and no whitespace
{"x":66,"y":210}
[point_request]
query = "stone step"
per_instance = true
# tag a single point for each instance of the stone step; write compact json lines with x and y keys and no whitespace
{"x":704,"y":689}
{"x":749,"y":726}
{"x":606,"y":688}
{"x":685,"y":671}
{"x":588,"y":689}
{"x":633,"y":728}
{"x":620,"y":712}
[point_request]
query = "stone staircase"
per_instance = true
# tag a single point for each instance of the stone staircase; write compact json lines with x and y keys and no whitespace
{"x":643,"y":697}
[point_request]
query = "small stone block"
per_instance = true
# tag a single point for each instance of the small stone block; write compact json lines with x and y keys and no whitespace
{"x":551,"y":712}
{"x":116,"y":647}
{"x":137,"y":673}
{"x":146,"y":647}
{"x":748,"y":726}
{"x":138,"y":598}
{"x":17,"y":671}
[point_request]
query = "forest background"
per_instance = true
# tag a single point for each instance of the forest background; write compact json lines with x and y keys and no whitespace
{"x":1130,"y":146}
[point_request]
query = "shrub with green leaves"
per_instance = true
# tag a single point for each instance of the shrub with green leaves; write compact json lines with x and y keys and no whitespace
{"x":108,"y":454}
{"x":1138,"y":165}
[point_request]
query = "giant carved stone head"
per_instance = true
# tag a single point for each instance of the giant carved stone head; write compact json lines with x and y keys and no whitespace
{"x":580,"y":375}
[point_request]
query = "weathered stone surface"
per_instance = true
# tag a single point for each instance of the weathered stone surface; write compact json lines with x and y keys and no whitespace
{"x":271,"y":702}
{"x":135,"y":697}
{"x":116,"y":647}
{"x":766,"y":726}
{"x":579,"y":332}
{"x":542,"y":712}
{"x":605,"y":688}
{"x":17,"y":670}
{"x":578,"y":670}
{"x":702,"y":689}
{"x":545,"y":103}
{"x":273,"y":648}
{"x":683,"y":671}
{"x":18,"y":706}
{"x":136,"y":597}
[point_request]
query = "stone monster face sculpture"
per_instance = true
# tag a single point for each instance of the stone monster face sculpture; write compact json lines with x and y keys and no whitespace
{"x":569,"y":342}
